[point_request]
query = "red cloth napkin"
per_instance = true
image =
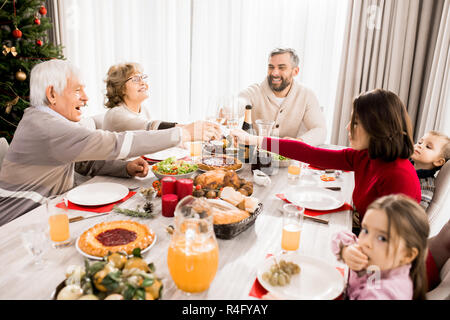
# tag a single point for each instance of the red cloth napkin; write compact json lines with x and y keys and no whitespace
{"x":258,"y":290}
{"x":97,"y":209}
{"x":314,"y":213}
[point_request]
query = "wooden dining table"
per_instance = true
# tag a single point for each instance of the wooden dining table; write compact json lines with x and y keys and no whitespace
{"x":239,"y":258}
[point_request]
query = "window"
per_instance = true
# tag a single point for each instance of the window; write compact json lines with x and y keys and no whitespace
{"x":199,"y":49}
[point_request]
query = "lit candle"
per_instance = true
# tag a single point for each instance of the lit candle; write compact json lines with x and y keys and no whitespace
{"x":169,"y":202}
{"x":168,"y":185}
{"x":184,"y":187}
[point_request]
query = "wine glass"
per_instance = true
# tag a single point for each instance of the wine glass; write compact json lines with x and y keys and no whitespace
{"x":35,"y":241}
{"x":214,"y":110}
{"x":230,"y":112}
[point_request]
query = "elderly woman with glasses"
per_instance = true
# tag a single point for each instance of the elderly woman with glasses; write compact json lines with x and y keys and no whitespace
{"x":126,"y":89}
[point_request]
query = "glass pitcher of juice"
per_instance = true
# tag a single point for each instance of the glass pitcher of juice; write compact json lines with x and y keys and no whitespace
{"x":193,"y":254}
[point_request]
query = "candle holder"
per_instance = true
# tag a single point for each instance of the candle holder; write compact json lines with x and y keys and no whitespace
{"x":184,"y":187}
{"x":169,"y":202}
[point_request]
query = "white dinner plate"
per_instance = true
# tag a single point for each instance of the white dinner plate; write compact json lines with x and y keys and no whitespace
{"x":178,"y":153}
{"x":96,"y":194}
{"x":317,"y":280}
{"x":101,"y":258}
{"x":314,"y":198}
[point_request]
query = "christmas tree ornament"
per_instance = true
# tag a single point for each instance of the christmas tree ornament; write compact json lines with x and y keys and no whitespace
{"x":10,"y":104}
{"x":7,"y":50}
{"x":43,"y":10}
{"x":17,"y":33}
{"x":22,"y":24}
{"x":20,"y":75}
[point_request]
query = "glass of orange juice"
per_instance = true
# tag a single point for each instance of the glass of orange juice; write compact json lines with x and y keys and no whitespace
{"x":193,"y":255}
{"x":195,"y":149}
{"x":292,"y":227}
{"x":58,"y":222}
{"x":294,"y":171}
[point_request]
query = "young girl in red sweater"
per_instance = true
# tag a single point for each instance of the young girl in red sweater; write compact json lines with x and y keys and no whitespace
{"x":380,"y":135}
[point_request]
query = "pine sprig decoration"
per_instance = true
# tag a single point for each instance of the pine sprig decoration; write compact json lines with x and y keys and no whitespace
{"x":147,"y":211}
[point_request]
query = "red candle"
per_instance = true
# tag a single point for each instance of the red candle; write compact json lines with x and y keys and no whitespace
{"x":168,"y":185}
{"x":184,"y":187}
{"x":169,"y":202}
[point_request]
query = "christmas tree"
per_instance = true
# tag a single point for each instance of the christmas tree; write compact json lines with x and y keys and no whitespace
{"x":24,"y":40}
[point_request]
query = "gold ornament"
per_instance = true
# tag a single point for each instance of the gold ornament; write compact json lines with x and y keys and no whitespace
{"x":11,"y":50}
{"x":10,"y":104}
{"x":21,"y":76}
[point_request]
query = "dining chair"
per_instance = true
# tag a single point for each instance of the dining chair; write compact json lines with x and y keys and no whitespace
{"x":439,"y":209}
{"x":4,"y":145}
{"x":442,"y":291}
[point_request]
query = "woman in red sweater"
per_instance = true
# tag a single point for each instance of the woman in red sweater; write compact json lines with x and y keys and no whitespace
{"x":380,"y":135}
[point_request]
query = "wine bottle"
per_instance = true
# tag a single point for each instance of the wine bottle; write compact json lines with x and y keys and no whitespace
{"x":246,"y":152}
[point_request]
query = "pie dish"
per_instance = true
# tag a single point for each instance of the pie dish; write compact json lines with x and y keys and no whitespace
{"x":219,"y":162}
{"x":115,"y":236}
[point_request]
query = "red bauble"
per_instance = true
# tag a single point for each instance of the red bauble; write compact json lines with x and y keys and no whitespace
{"x":17,"y":33}
{"x":42,"y":10}
{"x":39,"y":43}
{"x":37,"y":21}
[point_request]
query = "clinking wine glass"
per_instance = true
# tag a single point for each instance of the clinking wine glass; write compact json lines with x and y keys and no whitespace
{"x":193,"y":254}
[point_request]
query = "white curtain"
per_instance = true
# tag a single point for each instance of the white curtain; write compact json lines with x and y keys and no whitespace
{"x":98,"y":34}
{"x":435,"y":113}
{"x":197,"y":50}
{"x":389,"y":45}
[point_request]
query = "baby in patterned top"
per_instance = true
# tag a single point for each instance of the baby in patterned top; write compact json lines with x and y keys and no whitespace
{"x":430,"y":154}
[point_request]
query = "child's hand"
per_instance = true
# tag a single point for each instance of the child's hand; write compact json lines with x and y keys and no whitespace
{"x":354,"y":257}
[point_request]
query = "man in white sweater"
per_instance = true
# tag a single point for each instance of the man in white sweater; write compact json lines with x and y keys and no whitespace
{"x":51,"y":143}
{"x":294,"y":108}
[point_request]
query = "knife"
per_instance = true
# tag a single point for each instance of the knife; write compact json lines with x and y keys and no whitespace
{"x":79,"y":218}
{"x":334,"y":188}
{"x":312,"y":218}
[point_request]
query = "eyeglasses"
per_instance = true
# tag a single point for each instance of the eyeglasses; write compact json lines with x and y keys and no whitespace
{"x":138,"y":78}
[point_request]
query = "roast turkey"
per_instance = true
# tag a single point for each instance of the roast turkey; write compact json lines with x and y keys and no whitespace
{"x":219,"y":178}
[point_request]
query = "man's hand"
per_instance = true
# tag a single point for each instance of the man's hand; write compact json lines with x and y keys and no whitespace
{"x":137,"y":167}
{"x":354,"y":257}
{"x":201,"y":130}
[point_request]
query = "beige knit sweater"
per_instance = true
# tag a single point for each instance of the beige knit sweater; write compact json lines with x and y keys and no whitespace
{"x":298,"y":116}
{"x":121,"y":118}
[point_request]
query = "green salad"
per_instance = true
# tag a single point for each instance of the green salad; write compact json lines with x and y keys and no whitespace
{"x":172,"y":166}
{"x":278,"y":157}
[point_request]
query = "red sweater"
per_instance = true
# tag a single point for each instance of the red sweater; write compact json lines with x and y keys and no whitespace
{"x":374,"y":178}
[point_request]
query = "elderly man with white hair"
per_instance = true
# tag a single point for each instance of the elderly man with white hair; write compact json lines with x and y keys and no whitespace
{"x":51,"y":143}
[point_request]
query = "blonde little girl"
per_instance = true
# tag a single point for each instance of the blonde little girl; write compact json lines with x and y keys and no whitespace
{"x":387,"y":260}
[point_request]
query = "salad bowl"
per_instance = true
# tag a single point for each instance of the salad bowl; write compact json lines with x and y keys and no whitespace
{"x":171,"y":167}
